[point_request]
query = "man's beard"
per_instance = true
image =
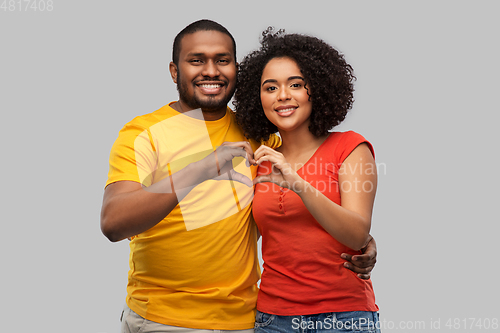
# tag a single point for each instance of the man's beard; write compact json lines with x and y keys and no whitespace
{"x":210,"y":104}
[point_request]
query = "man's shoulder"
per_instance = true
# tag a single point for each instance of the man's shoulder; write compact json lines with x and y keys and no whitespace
{"x":154,"y":117}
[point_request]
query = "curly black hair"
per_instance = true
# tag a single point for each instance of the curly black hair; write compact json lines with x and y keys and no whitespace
{"x":327,"y":75}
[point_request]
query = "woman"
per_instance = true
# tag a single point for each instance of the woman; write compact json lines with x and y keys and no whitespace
{"x":314,"y":194}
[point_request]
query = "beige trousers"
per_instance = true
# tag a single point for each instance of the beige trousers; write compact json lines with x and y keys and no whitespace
{"x":133,"y":323}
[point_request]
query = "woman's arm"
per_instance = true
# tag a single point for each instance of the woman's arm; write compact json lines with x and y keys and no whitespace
{"x":350,"y":222}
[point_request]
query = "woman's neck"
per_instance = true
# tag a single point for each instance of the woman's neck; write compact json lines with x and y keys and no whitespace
{"x":300,"y":142}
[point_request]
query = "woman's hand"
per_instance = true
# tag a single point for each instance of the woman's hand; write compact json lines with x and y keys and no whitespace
{"x":281,"y":174}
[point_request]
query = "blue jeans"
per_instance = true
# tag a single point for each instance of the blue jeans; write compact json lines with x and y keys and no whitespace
{"x":332,"y":322}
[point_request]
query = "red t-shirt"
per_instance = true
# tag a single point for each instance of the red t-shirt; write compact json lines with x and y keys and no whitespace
{"x":303,"y":272}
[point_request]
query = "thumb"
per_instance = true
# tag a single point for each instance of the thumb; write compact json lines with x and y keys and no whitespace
{"x":236,"y":176}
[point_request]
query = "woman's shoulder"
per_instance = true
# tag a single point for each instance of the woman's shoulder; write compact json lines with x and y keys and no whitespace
{"x":343,"y":143}
{"x":346,"y":135}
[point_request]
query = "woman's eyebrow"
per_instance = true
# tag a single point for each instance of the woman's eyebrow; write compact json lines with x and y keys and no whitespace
{"x":269,"y":81}
{"x":289,"y":79}
{"x":295,"y":78}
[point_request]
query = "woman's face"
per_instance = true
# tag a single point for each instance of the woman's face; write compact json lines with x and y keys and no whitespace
{"x":284,"y":98}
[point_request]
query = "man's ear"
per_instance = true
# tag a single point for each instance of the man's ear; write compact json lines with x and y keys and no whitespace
{"x":173,"y":71}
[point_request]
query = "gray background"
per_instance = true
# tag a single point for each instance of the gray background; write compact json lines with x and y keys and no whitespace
{"x":426,"y":97}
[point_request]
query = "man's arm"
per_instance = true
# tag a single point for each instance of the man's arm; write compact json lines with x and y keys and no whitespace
{"x":129,"y":208}
{"x":362,"y":264}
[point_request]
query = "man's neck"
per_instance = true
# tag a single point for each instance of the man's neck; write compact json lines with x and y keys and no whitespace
{"x":207,"y":115}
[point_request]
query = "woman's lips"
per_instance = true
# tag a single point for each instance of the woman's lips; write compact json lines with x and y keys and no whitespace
{"x":285,"y":111}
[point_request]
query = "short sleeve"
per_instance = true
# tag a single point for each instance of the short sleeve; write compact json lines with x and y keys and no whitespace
{"x":273,"y":142}
{"x":133,"y":156}
{"x":348,"y":142}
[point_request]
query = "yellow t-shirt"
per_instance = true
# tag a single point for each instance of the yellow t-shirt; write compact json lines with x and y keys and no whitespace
{"x":198,"y":267}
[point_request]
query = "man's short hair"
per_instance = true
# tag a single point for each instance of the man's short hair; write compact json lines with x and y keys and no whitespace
{"x":201,"y":25}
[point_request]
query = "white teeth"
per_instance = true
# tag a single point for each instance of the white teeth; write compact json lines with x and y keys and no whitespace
{"x":286,"y":110}
{"x":210,"y":86}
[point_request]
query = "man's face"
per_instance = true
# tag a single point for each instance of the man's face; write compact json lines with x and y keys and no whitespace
{"x":206,"y":73}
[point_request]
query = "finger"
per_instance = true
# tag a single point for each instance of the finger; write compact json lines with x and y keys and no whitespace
{"x":245,"y":145}
{"x":236,"y":151}
{"x":362,"y":264}
{"x":264,"y":151}
{"x":363,"y":260}
{"x":359,"y":261}
{"x":357,"y":269}
{"x":346,"y":256}
{"x":277,"y":162}
{"x":238,"y":177}
{"x":225,"y":158}
{"x":235,"y":176}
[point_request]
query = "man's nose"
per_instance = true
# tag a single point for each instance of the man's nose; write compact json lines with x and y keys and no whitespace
{"x":210,"y":69}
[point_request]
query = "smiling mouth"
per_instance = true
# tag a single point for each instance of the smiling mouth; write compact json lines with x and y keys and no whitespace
{"x":210,"y":88}
{"x":286,"y":110}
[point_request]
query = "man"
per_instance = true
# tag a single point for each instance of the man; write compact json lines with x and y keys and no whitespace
{"x":180,"y":187}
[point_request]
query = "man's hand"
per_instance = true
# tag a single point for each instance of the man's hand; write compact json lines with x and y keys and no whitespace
{"x":362,"y":264}
{"x":219,"y":164}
